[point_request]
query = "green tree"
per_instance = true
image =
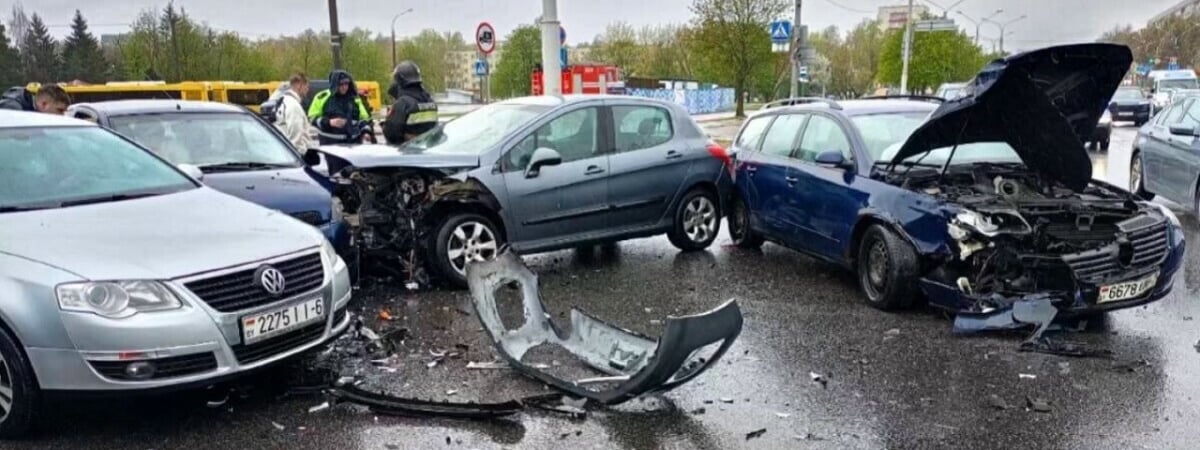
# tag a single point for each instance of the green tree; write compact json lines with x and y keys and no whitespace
{"x":851,"y":60}
{"x":937,"y":57}
{"x":732,"y":43}
{"x":39,"y":60}
{"x":665,"y":53}
{"x":618,"y":46}
{"x":143,"y":52}
{"x":10,"y":62}
{"x":430,"y":50}
{"x":82,"y":58}
{"x":522,"y":51}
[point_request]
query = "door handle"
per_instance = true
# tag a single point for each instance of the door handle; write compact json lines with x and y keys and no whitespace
{"x":592,"y":170}
{"x":751,"y":169}
{"x":791,"y":180}
{"x":674,"y":155}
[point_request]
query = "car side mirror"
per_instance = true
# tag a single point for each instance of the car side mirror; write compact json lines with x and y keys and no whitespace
{"x":542,"y":157}
{"x":192,"y":171}
{"x":832,"y":158}
{"x":1184,"y":130}
{"x":312,"y":157}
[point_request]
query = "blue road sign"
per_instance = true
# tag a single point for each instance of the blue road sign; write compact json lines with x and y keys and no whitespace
{"x":562,"y":56}
{"x":481,"y":67}
{"x":1173,"y":66}
{"x":781,"y":31}
{"x":562,"y":35}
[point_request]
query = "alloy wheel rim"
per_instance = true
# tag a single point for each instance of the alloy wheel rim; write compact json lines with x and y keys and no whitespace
{"x":877,"y":268}
{"x":699,"y":219}
{"x":470,"y":242}
{"x":6,"y":389}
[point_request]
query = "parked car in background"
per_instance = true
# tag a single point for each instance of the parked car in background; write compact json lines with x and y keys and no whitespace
{"x":962,"y":202}
{"x":119,"y":273}
{"x":235,"y":153}
{"x":1130,"y":104}
{"x":950,"y":91}
{"x":1102,"y":135}
{"x":537,"y":174}
{"x":1166,"y":155}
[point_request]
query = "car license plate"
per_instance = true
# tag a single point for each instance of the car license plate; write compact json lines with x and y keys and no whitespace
{"x":257,"y":327}
{"x":1127,"y":290}
{"x":1125,"y":113}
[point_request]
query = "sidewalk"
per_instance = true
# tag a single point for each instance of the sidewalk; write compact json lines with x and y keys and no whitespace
{"x":712,"y":117}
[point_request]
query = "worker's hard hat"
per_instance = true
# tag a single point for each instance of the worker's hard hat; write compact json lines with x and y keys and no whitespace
{"x":406,"y":73}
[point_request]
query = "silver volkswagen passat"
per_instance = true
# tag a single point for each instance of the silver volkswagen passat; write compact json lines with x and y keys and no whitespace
{"x":120,"y":272}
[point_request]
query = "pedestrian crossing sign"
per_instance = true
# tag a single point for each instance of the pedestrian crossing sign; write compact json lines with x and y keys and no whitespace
{"x":781,"y":31}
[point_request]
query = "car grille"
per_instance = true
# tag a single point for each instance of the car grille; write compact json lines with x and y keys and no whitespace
{"x":1144,"y":247}
{"x":258,"y":351}
{"x":172,"y":367}
{"x":310,"y":217}
{"x":240,"y":290}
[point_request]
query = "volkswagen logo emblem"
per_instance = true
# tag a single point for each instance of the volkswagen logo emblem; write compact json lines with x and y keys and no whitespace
{"x":271,"y":280}
{"x":1124,"y":251}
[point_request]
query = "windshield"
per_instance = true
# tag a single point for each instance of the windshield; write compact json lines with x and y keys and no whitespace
{"x":476,"y":131}
{"x":208,"y":139}
{"x":47,"y":167}
{"x":993,"y":152}
{"x":1178,"y":84}
{"x":880,"y":131}
{"x":949,"y":92}
{"x":1128,"y":94}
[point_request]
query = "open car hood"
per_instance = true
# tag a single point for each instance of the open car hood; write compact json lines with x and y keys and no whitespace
{"x":366,"y":156}
{"x":1040,"y":103}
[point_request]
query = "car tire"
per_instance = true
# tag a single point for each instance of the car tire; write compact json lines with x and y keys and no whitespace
{"x":461,"y":238}
{"x":1137,"y":176}
{"x":19,"y":392}
{"x":739,"y":227}
{"x":697,"y":221}
{"x":887,"y":270}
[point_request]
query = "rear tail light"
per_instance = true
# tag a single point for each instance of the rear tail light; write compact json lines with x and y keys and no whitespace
{"x":719,"y":152}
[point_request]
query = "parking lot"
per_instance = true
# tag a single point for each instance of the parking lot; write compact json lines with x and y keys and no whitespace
{"x":886,"y":380}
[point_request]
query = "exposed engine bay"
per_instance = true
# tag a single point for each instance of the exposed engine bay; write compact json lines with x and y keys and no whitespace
{"x":1017,"y":233}
{"x":393,"y":213}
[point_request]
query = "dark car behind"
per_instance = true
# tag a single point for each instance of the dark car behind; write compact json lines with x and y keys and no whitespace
{"x":1130,"y":104}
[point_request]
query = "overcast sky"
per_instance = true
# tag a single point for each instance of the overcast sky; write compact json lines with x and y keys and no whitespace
{"x":1048,"y":22}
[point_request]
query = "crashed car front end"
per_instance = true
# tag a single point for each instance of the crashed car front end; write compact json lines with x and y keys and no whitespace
{"x":1010,"y":236}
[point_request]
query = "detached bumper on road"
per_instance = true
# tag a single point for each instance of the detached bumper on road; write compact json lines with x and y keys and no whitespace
{"x":190,"y":346}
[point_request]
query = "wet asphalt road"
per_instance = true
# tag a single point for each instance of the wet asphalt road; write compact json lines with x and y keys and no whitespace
{"x":894,"y":380}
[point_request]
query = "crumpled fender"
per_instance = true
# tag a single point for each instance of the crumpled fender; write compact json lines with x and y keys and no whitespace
{"x":638,"y":365}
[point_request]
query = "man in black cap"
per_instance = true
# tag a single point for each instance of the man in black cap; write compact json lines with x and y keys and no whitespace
{"x":414,"y":111}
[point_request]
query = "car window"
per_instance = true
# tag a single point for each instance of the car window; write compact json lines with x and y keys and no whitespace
{"x":823,"y":135}
{"x":43,"y":167}
{"x":1175,"y":114}
{"x":781,"y":138}
{"x":639,"y":127}
{"x":478,"y":130}
{"x":1191,"y":115}
{"x":751,"y":133}
{"x":573,"y":135}
{"x":1128,"y":94}
{"x":880,"y":131}
{"x":207,"y":139}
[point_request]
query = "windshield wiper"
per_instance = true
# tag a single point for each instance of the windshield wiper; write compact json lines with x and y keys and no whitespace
{"x":11,"y":208}
{"x":239,"y":166}
{"x":107,"y":198}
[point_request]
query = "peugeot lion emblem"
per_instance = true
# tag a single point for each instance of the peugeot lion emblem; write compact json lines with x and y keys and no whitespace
{"x":271,"y":280}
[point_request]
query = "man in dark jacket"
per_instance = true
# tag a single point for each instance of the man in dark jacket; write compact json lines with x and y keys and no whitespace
{"x":414,"y":111}
{"x":50,"y":99}
{"x":338,"y":111}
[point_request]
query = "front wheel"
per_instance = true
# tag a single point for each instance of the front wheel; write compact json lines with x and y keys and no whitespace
{"x":1137,"y":180}
{"x":461,"y":239}
{"x":887,"y":269}
{"x":18,"y":391}
{"x":739,"y":227}
{"x":697,"y":221}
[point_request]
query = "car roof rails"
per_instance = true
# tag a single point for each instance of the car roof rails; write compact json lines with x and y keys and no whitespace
{"x":794,"y":101}
{"x":928,"y":98}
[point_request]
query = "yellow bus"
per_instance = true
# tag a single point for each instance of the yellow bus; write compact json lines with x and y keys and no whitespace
{"x":248,"y":94}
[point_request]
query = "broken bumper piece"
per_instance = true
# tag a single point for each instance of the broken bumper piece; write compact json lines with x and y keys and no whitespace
{"x":387,"y":404}
{"x":636,"y":365}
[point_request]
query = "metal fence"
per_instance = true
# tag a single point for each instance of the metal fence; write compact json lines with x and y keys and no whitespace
{"x":703,"y":101}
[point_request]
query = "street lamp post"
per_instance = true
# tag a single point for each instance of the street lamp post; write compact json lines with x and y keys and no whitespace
{"x":945,"y":11}
{"x":979,"y":22}
{"x":1003,"y":26}
{"x":397,"y":16}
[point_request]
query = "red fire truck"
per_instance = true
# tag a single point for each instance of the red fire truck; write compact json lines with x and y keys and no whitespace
{"x":584,"y":79}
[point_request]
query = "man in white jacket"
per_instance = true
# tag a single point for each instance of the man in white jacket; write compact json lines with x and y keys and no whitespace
{"x":291,"y":118}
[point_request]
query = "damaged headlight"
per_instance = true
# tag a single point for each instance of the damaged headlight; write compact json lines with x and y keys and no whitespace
{"x":1170,"y":215}
{"x":330,"y":255}
{"x":116,"y":299}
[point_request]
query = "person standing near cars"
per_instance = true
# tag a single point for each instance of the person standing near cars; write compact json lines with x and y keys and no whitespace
{"x":339,"y":110}
{"x":50,"y":99}
{"x":414,"y":112}
{"x":290,"y":115}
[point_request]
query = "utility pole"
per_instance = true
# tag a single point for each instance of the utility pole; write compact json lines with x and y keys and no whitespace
{"x":794,"y":52}
{"x":335,"y":37}
{"x":908,"y":29}
{"x":551,"y":46}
